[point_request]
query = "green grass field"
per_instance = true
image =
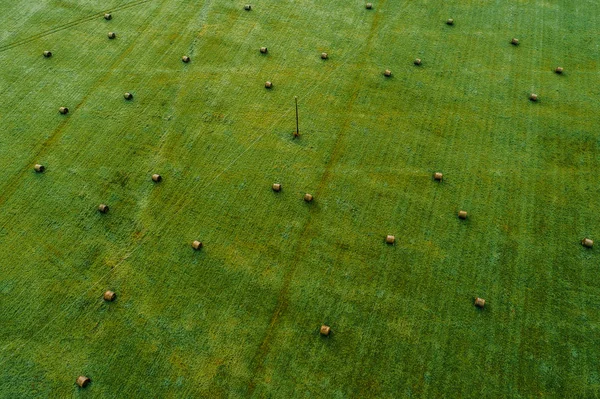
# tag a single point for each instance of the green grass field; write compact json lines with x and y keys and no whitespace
{"x":241,"y":317}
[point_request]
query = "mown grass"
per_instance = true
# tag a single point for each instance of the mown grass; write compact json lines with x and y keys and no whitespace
{"x":240,"y":318}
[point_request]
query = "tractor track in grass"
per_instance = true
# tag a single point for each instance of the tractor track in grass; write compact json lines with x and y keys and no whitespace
{"x":282,"y":300}
{"x":68,"y":25}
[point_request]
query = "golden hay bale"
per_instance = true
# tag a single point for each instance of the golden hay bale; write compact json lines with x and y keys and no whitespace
{"x":247,"y":7}
{"x":107,"y":17}
{"x":47,"y":54}
{"x":156,"y":178}
{"x":112,"y":35}
{"x":390,"y":239}
{"x":324,"y":56}
{"x":185,"y":59}
{"x":197,"y":245}
{"x":462,"y":214}
{"x":369,"y":6}
{"x":325,"y":330}
{"x":449,"y":21}
{"x":39,"y":168}
{"x":479,"y":302}
{"x":277,"y":187}
{"x":514,"y":42}
{"x":559,"y":70}
{"x":438,"y":176}
{"x":63,"y":110}
{"x":387,"y":73}
{"x":588,"y":243}
{"x":264,"y":50}
{"x":308,"y":197}
{"x":102,"y":208}
{"x":417,"y":61}
{"x":128,"y":96}
{"x":82,"y":381}
{"x":268,"y":84}
{"x":109,"y":296}
{"x":533,"y":97}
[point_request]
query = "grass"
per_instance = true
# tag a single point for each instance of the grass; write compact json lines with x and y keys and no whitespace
{"x":241,"y":317}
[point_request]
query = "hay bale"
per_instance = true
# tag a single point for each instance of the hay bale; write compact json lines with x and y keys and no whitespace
{"x":438,"y":176}
{"x":264,"y":50}
{"x":103,"y":208}
{"x":479,"y":302}
{"x":533,"y":97}
{"x":449,"y":21}
{"x":417,"y":61}
{"x":83,"y":381}
{"x":197,"y":245}
{"x":268,"y":84}
{"x":369,"y":6}
{"x":277,"y":187}
{"x":324,"y":56}
{"x":559,"y":70}
{"x":247,"y":7}
{"x":514,"y":42}
{"x":390,"y":239}
{"x":588,"y":243}
{"x":462,"y":214}
{"x":185,"y":59}
{"x":107,"y":17}
{"x":39,"y":168}
{"x":109,"y":296}
{"x":325,"y":330}
{"x":387,"y":73}
{"x":47,"y":54}
{"x":63,"y":110}
{"x":112,"y":35}
{"x":308,"y":197}
{"x":128,"y":96}
{"x":156,"y":178}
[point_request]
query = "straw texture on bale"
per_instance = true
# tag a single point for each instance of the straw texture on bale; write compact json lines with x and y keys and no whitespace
{"x":247,"y":7}
{"x":369,"y":6}
{"x":308,"y":197}
{"x":264,"y":50}
{"x":128,"y":96}
{"x":462,"y":214}
{"x":449,"y":21}
{"x":63,"y":110}
{"x":47,"y":54}
{"x":438,"y":176}
{"x":268,"y":84}
{"x":559,"y":70}
{"x":39,"y":168}
{"x":388,"y":73}
{"x":156,"y":178}
{"x":588,"y":243}
{"x":325,"y":330}
{"x":533,"y":97}
{"x":276,"y":186}
{"x":417,"y":61}
{"x":197,"y":245}
{"x":324,"y":56}
{"x":514,"y":42}
{"x":390,"y":239}
{"x":479,"y":302}
{"x":103,"y":208}
{"x":109,"y":296}
{"x":82,"y":381}
{"x":107,"y":17}
{"x":185,"y":59}
{"x":112,"y":35}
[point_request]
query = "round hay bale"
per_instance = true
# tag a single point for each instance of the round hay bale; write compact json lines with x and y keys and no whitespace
{"x":389,"y":239}
{"x":112,"y":35}
{"x":103,"y":208}
{"x":39,"y":168}
{"x":325,"y":330}
{"x":533,"y":97}
{"x":264,"y":50}
{"x":83,"y":381}
{"x":109,"y":296}
{"x":438,"y":176}
{"x":63,"y":110}
{"x":588,"y":243}
{"x":462,"y":214}
{"x":268,"y":84}
{"x":47,"y":54}
{"x":479,"y":302}
{"x":449,"y":21}
{"x":324,"y":56}
{"x":417,"y":61}
{"x":128,"y":96}
{"x":387,"y":73}
{"x":369,"y":6}
{"x":308,"y":197}
{"x":514,"y":42}
{"x":185,"y":59}
{"x":156,"y":178}
{"x":197,"y":245}
{"x":247,"y":7}
{"x":107,"y":17}
{"x":559,"y":70}
{"x":276,"y":187}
